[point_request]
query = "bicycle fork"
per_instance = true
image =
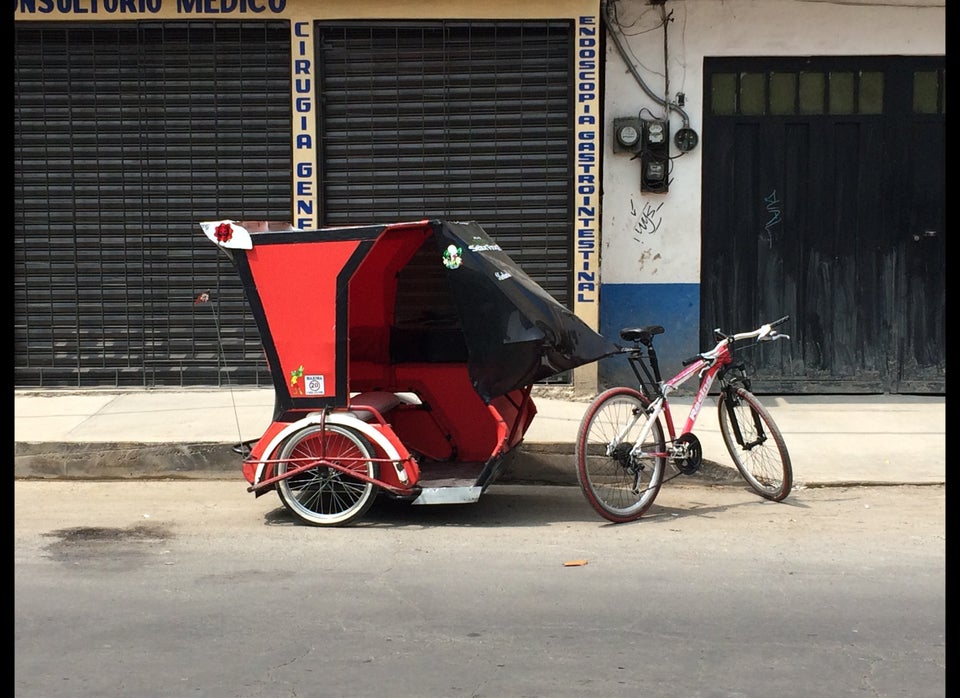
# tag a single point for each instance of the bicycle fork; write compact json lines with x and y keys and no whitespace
{"x":731,"y":402}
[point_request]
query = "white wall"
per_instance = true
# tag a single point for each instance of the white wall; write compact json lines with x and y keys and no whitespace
{"x":655,"y":238}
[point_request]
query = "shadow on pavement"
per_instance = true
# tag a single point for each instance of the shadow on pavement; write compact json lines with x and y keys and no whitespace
{"x":532,"y":506}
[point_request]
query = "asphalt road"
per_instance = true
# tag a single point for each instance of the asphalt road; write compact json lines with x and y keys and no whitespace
{"x":198,"y":589}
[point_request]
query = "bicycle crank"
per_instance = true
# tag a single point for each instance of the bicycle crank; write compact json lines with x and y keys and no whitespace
{"x":687,"y":454}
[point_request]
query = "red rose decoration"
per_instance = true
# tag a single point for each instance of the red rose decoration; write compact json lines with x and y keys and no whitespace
{"x":224,"y":232}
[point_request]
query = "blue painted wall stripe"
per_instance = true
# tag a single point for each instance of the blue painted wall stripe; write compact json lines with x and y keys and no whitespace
{"x":675,"y":306}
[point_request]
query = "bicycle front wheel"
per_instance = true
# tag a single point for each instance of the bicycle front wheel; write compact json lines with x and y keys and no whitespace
{"x":620,"y":485}
{"x":323,"y":495}
{"x":755,"y":444}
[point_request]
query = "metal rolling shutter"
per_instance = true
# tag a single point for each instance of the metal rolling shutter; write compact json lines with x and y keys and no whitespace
{"x":126,"y":136}
{"x":470,"y":120}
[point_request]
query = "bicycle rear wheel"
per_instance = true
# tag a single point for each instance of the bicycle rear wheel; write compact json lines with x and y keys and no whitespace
{"x":620,"y":487}
{"x":755,"y":444}
{"x":322,"y":495}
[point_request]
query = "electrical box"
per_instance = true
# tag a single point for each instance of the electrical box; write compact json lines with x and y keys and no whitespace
{"x":655,"y":156}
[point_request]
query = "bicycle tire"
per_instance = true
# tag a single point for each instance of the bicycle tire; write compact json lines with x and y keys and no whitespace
{"x":618,"y":488}
{"x":325,"y":496}
{"x":764,"y":462}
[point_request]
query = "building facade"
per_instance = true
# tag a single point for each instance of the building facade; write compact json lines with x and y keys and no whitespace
{"x":785,"y":157}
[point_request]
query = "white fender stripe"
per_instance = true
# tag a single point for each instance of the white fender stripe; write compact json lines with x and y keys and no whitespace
{"x":342,"y":419}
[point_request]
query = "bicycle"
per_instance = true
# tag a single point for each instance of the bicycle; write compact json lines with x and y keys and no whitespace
{"x":621,"y":450}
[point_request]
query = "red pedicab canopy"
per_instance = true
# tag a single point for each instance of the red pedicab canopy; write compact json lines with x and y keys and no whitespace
{"x":431,"y":290}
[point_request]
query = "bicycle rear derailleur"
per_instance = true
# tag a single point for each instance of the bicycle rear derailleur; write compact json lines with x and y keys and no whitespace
{"x":622,"y":454}
{"x":686,"y":453}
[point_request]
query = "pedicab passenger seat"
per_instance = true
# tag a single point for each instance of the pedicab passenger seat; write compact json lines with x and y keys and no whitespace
{"x":375,"y":405}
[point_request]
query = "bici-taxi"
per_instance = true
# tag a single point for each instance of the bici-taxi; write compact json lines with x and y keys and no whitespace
{"x":402,"y":357}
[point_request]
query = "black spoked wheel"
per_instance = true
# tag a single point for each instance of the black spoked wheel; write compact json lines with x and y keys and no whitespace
{"x":619,"y":485}
{"x":755,"y":444}
{"x":323,"y":495}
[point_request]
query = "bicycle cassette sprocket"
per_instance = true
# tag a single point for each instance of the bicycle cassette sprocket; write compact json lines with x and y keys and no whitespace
{"x":687,"y":454}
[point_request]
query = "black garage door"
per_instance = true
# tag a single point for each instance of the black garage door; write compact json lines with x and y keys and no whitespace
{"x":127,"y":136}
{"x":463,"y":120}
{"x":824,"y":198}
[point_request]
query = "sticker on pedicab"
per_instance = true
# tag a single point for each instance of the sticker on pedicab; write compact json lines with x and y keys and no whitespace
{"x":296,"y":385}
{"x":314,"y":385}
{"x":452,"y":258}
{"x":228,"y":234}
{"x":484,"y":247}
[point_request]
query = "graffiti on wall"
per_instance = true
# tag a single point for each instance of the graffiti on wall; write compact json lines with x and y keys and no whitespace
{"x":774,"y":216}
{"x":647,"y":219}
{"x":646,"y":222}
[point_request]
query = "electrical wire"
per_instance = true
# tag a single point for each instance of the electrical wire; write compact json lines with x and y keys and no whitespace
{"x":609,"y":22}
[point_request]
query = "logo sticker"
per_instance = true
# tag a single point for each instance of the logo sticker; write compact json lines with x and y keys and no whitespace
{"x":315,"y":385}
{"x":296,"y":385}
{"x":452,"y":257}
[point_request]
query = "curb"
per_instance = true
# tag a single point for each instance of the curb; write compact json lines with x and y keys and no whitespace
{"x":536,"y":463}
{"x":125,"y":461}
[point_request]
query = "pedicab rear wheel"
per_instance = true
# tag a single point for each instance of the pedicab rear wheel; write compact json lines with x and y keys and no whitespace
{"x":323,"y":495}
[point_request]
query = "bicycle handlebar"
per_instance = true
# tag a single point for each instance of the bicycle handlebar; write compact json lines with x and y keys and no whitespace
{"x":764,"y":333}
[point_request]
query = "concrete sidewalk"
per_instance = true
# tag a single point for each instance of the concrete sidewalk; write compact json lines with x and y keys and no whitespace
{"x":188,"y":433}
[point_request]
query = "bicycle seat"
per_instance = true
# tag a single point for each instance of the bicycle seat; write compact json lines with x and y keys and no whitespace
{"x":641,"y":334}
